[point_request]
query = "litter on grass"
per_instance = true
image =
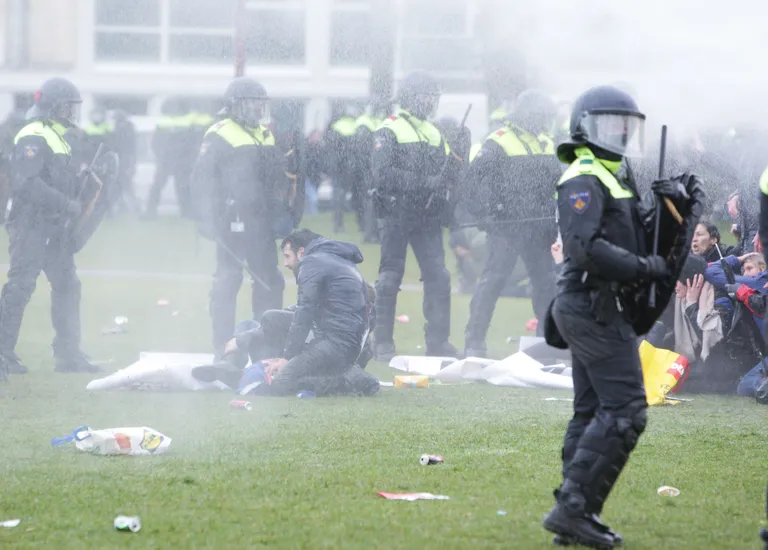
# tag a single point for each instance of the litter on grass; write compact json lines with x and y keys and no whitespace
{"x":116,"y":441}
{"x":667,"y":491}
{"x":128,"y":523}
{"x":501,"y":513}
{"x":558,"y":399}
{"x":10,"y":523}
{"x":118,"y":326}
{"x":402,"y":319}
{"x":412,"y":496}
{"x":239,"y":404}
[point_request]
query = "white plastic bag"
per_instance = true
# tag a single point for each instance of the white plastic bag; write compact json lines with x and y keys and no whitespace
{"x":122,"y":441}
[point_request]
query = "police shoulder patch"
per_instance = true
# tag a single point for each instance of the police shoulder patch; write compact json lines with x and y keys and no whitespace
{"x":392,"y":117}
{"x":30,"y":151}
{"x":579,"y":201}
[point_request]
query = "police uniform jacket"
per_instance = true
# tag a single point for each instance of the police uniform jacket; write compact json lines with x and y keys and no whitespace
{"x":236,"y":174}
{"x":43,"y":180}
{"x":510,"y":176}
{"x":413,"y":167}
{"x":600,"y":223}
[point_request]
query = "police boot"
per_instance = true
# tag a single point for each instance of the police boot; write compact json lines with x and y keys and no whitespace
{"x":618,"y":540}
{"x":385,"y":352}
{"x":445,"y":349}
{"x":76,"y":362}
{"x":570,"y":522}
{"x":13,"y":364}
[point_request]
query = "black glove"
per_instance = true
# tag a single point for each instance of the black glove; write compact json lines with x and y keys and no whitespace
{"x":674,"y":189}
{"x":732,"y":289}
{"x":652,"y":268}
{"x":463,"y":143}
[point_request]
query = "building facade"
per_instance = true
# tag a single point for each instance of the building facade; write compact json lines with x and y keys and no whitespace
{"x":132,"y":54}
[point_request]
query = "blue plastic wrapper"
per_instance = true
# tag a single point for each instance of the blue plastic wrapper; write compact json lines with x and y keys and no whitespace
{"x":253,"y":376}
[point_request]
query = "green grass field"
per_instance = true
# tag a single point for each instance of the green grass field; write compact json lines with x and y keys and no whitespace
{"x":304,"y":473}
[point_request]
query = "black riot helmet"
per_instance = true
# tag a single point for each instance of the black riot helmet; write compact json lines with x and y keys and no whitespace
{"x":57,"y":99}
{"x":535,"y":112}
{"x":419,"y":94}
{"x":246,"y":101}
{"x":609,"y":119}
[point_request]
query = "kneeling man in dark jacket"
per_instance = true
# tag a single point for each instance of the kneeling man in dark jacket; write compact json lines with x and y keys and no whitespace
{"x":333,"y":305}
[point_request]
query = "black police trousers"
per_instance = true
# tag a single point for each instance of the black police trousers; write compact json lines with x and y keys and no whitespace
{"x":323,"y":366}
{"x":343,"y":183}
{"x":256,"y":246}
{"x":35,"y":246}
{"x":181,"y":176}
{"x":426,"y":239}
{"x":503,"y":251}
{"x":609,"y":406}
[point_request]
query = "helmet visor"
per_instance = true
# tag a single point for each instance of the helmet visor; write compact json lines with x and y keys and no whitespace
{"x":619,"y":133}
{"x":252,"y":111}
{"x":69,"y":113}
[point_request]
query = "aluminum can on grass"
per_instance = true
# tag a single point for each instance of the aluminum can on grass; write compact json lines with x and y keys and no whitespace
{"x":238,"y":404}
{"x":128,"y":523}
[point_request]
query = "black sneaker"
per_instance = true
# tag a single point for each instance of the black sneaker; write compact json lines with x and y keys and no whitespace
{"x":576,"y":529}
{"x":385,"y":352}
{"x":13,"y":364}
{"x":446,"y":349}
{"x":75,"y":363}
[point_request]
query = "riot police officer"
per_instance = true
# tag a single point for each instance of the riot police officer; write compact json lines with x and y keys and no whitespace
{"x":234,"y":189}
{"x":366,"y":125}
{"x":509,"y":178}
{"x":342,"y":166}
{"x":414,"y":170}
{"x":602,"y":302}
{"x":44,"y":209}
{"x":168,"y":146}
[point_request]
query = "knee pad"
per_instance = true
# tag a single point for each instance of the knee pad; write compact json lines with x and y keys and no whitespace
{"x":437,"y":277}
{"x":388,"y":283}
{"x":631,"y":424}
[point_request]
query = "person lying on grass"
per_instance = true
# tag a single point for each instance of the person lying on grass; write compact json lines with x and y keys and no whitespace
{"x":333,"y":305}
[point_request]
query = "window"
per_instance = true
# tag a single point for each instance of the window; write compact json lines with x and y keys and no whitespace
{"x":23,"y":101}
{"x":127,"y":46}
{"x":439,"y":54}
{"x":350,"y":38}
{"x":203,"y":13}
{"x":144,"y":13}
{"x":444,"y":18}
{"x":200,"y":48}
{"x":202,"y":32}
{"x":274,"y":36}
{"x":127,"y":31}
